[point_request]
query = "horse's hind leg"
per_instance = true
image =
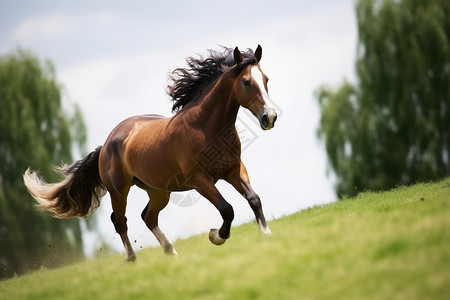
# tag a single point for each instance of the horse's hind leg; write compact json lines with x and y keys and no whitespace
{"x":118,"y":187}
{"x":120,"y":223}
{"x":158,"y":200}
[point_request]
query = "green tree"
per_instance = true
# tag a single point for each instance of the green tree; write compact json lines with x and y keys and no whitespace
{"x":392,"y":126}
{"x":34,"y":132}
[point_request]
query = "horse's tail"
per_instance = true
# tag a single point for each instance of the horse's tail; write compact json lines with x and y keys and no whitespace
{"x":77,"y":195}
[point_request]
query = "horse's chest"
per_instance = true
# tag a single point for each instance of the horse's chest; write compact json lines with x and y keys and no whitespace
{"x":220,"y":155}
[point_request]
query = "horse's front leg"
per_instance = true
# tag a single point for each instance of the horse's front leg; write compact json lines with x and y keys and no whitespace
{"x":240,"y":181}
{"x":207,"y":189}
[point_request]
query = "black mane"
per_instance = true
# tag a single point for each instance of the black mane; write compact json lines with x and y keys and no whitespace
{"x":186,"y":84}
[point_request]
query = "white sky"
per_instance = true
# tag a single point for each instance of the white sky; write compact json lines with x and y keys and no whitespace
{"x":113,"y":59}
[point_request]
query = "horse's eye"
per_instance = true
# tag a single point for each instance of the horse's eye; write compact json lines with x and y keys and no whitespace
{"x":246,"y":82}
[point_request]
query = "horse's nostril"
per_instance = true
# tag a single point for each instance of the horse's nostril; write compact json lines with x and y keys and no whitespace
{"x":265,"y":120}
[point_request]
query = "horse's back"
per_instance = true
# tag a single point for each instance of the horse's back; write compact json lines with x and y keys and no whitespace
{"x":140,"y":146}
{"x":116,"y":139}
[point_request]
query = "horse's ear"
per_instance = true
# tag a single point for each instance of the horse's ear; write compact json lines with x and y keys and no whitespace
{"x":237,"y":56}
{"x":258,"y":53}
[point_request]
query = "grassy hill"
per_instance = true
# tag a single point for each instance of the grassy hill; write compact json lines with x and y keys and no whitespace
{"x":389,"y":245}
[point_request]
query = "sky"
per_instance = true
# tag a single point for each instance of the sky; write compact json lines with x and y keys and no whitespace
{"x":113,"y":59}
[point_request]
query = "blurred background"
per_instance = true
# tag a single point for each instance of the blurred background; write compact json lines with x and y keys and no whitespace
{"x":362,"y":89}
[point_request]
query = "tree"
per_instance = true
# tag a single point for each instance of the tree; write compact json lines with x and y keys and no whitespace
{"x":392,"y":126}
{"x":34,"y":132}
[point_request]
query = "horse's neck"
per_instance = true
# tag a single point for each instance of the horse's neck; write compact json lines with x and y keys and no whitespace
{"x":218,"y":109}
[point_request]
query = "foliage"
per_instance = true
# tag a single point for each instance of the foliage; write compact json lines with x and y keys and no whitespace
{"x":399,"y":249}
{"x":34,"y":132}
{"x":392,"y":127}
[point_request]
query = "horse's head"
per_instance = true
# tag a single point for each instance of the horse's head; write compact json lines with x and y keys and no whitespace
{"x":251,"y":91}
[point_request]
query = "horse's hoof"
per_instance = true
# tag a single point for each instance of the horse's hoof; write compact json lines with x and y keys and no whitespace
{"x":171,"y":251}
{"x":265,"y":231}
{"x":130,"y":259}
{"x":215,"y":238}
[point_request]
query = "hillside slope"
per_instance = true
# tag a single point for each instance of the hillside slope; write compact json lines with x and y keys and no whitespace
{"x":389,"y":245}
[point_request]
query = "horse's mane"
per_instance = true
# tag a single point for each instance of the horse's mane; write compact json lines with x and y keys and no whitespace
{"x":187,"y":84}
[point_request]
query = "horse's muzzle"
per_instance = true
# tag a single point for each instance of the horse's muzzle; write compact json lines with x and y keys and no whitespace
{"x":268,"y":120}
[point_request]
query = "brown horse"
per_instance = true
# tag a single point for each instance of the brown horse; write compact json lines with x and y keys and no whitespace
{"x":191,"y":150}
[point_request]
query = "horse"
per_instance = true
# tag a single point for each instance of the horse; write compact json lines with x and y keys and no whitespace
{"x":193,"y":149}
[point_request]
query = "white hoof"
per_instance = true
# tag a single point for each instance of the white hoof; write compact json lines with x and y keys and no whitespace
{"x":215,"y":238}
{"x":265,"y":230}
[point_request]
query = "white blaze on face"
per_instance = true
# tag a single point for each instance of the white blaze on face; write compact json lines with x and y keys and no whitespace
{"x":269,"y":110}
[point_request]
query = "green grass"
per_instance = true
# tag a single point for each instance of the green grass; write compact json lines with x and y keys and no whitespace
{"x":389,"y":245}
